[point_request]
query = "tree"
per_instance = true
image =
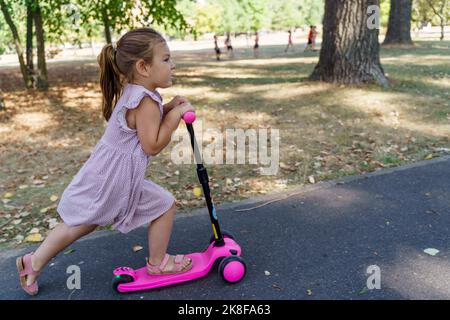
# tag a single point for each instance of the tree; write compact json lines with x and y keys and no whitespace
{"x":206,"y":18}
{"x":312,"y":11}
{"x":38,"y":12}
{"x":295,"y":13}
{"x":117,"y":15}
{"x":41,"y":79}
{"x":255,"y":14}
{"x":223,"y":16}
{"x":51,"y":18}
{"x":442,"y":10}
{"x":6,"y":7}
{"x":286,"y":15}
{"x":399,"y":25}
{"x":29,"y":50}
{"x":41,"y":14}
{"x":431,"y":11}
{"x":350,"y":49}
{"x":2,"y":101}
{"x":230,"y":12}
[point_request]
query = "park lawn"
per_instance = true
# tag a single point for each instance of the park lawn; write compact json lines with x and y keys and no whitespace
{"x":326,"y":131}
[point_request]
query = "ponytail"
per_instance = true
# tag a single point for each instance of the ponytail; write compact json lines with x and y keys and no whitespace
{"x":110,"y":79}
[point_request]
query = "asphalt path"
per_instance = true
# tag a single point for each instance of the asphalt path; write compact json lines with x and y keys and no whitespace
{"x":360,"y":237}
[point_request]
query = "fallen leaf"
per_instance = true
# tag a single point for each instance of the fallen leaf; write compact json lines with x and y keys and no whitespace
{"x":311,"y":179}
{"x":69,"y":251}
{"x":52,"y":223}
{"x":431,"y":211}
{"x":286,"y":167}
{"x":53,"y":198}
{"x":25,"y":214}
{"x":309,"y":292}
{"x":429,"y":157}
{"x":276,"y":287}
{"x":35,"y":237}
{"x":431,"y":251}
{"x":197,"y":191}
{"x":137,"y":248}
{"x":34,"y":230}
{"x":267,"y":273}
{"x":19,"y":238}
{"x":364,"y":290}
{"x":8,"y":194}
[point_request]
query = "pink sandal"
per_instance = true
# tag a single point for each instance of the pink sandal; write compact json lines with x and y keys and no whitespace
{"x":177,"y":265}
{"x":24,"y":267}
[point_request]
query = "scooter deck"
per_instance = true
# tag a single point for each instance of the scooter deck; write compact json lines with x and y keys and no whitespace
{"x":201,"y":265}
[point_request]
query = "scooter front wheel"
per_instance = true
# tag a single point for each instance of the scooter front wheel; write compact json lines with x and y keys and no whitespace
{"x":232,"y":269}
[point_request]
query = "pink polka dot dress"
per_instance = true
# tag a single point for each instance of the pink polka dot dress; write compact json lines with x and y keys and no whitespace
{"x":110,"y":188}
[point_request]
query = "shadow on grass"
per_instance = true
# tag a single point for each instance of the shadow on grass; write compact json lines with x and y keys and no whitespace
{"x":420,"y":48}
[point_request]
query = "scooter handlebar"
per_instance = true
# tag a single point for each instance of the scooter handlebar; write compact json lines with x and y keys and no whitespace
{"x":189,"y":117}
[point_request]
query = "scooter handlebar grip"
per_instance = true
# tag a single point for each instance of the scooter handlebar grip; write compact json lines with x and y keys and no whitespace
{"x":189,"y":117}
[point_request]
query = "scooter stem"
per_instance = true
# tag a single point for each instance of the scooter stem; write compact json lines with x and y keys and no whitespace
{"x":204,"y":180}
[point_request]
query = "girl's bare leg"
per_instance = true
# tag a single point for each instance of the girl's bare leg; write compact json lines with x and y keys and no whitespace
{"x":159,"y":233}
{"x":58,"y":239}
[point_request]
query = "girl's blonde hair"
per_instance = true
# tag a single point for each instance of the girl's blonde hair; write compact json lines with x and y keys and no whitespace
{"x":116,"y":64}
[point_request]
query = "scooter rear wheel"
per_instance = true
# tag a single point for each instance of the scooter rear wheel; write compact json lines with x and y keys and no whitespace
{"x":119,"y":279}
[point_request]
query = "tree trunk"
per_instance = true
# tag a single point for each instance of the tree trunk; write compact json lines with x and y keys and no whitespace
{"x":350,"y":49}
{"x":2,"y":101}
{"x":106,"y":25}
{"x":399,"y":25}
{"x":41,"y":81}
{"x":17,"y":44}
{"x":29,"y":50}
{"x":441,"y":14}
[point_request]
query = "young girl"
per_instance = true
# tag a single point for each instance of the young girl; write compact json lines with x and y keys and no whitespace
{"x":110,"y":187}
{"x":256,"y":46}
{"x":311,"y":38}
{"x":216,"y":48}
{"x":228,"y":45}
{"x":290,"y":43}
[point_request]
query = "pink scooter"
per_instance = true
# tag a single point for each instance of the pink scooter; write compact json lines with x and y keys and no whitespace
{"x":222,"y":245}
